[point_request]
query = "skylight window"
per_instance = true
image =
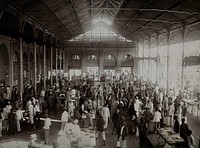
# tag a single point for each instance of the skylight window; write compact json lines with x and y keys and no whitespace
{"x":102,"y":19}
{"x":100,"y":31}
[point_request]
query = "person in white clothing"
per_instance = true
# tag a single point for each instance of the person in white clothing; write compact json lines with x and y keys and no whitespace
{"x":32,"y":143}
{"x":64,"y":118}
{"x":106,"y":115}
{"x":31,"y":113}
{"x":76,"y":130}
{"x":19,"y":117}
{"x":47,"y":124}
{"x":68,"y":128}
{"x":63,"y":140}
{"x":156,"y":119}
{"x":149,"y":105}
{"x":137,"y":105}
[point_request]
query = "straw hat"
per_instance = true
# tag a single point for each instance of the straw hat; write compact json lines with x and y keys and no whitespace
{"x":76,"y":121}
{"x":33,"y":136}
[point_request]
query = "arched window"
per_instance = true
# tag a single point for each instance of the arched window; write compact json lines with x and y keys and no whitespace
{"x":128,"y":57}
{"x":92,"y":57}
{"x":75,"y":57}
{"x":110,"y":58}
{"x":25,"y":57}
{"x":16,"y":57}
{"x":31,"y":57}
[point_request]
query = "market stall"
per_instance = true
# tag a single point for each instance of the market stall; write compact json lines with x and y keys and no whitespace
{"x":87,"y":139}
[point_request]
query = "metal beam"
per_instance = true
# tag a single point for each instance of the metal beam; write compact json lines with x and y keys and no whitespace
{"x":18,"y":9}
{"x":168,"y":56}
{"x":134,"y":15}
{"x":148,"y":20}
{"x":155,"y":10}
{"x":57,"y":17}
{"x":157,"y":17}
{"x":75,"y":13}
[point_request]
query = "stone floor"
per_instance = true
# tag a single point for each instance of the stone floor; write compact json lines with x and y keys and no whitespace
{"x":132,"y":140}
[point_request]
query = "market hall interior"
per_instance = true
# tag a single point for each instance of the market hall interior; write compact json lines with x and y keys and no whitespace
{"x":91,"y":73}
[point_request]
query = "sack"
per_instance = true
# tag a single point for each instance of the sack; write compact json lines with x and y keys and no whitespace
{"x":118,"y":143}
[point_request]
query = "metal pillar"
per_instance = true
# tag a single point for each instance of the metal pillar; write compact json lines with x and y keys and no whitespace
{"x":168,"y":44}
{"x":182,"y":60}
{"x":143,"y":60}
{"x":35,"y":68}
{"x":44,"y":66}
{"x":21,"y":69}
{"x":56,"y":64}
{"x":149,"y":46}
{"x":11,"y":70}
{"x":157,"y":62}
{"x":60,"y":59}
{"x":51,"y":65}
{"x":64,"y":61}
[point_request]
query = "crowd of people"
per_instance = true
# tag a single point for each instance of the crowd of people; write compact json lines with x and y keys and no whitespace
{"x":122,"y":101}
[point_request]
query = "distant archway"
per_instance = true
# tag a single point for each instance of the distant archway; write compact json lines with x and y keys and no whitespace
{"x":4,"y":65}
{"x":75,"y":57}
{"x":110,"y":57}
{"x":92,"y":57}
{"x":127,"y":64}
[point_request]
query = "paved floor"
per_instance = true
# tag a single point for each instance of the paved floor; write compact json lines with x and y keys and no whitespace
{"x":132,"y":140}
{"x":110,"y":143}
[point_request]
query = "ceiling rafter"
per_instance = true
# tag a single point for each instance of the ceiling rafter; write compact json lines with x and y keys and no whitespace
{"x":75,"y":13}
{"x":157,"y":17}
{"x":57,"y":17}
{"x":134,"y":15}
{"x":147,"y":20}
{"x":157,"y":10}
{"x":20,"y":10}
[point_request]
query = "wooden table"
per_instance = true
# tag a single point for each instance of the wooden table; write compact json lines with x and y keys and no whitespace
{"x":170,"y":137}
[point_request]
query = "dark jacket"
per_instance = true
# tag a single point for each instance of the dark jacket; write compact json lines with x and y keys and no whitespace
{"x":176,"y":126}
{"x":100,"y":124}
{"x":124,"y":132}
{"x":115,"y":119}
{"x":147,"y":115}
{"x":183,"y":131}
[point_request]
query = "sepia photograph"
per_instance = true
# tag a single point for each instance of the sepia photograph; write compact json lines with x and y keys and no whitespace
{"x":99,"y":73}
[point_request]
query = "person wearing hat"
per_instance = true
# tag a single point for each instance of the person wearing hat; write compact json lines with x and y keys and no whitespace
{"x":32,"y":143}
{"x":122,"y":132}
